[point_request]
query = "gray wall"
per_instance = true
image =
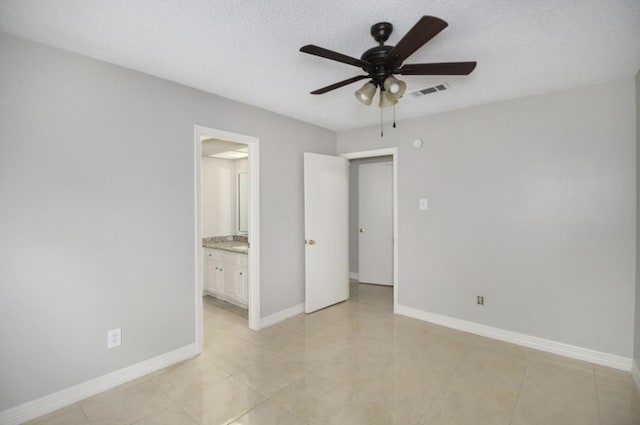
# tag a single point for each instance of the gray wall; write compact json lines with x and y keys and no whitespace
{"x":354,"y":235}
{"x":97,"y":213}
{"x":531,"y":204}
{"x":637,"y":321}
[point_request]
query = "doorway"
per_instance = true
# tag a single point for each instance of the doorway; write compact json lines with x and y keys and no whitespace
{"x":379,"y":254}
{"x":237,"y":220}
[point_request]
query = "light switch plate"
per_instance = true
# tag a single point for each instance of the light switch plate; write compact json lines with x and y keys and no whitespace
{"x":423,"y":204}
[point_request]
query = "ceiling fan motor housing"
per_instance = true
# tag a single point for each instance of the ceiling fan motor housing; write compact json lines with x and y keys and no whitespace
{"x":376,"y":56}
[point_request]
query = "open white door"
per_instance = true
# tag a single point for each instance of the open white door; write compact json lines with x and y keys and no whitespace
{"x":326,"y":226}
{"x":375,"y":217}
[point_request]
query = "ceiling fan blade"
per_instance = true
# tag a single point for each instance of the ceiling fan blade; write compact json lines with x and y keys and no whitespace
{"x":444,"y":68}
{"x":424,"y":30}
{"x":340,"y":84}
{"x":330,"y":54}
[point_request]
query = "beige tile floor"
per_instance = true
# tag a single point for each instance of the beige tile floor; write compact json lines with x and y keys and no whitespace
{"x":357,"y":363}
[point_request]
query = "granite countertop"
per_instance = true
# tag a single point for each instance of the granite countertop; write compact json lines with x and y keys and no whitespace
{"x":237,"y":244}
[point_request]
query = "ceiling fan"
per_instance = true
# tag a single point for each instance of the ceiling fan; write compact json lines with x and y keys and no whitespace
{"x":381,"y":62}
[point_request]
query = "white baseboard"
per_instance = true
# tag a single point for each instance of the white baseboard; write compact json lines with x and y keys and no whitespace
{"x":580,"y":353}
{"x":635,"y":372}
{"x":41,"y":406}
{"x":274,"y":318}
{"x":353,"y":276}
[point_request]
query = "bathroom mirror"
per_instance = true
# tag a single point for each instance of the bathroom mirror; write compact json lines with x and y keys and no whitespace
{"x":243,"y":199}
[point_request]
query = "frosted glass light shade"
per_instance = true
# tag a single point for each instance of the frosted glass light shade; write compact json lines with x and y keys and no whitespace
{"x":394,"y":87}
{"x":386,"y":100}
{"x":365,"y":93}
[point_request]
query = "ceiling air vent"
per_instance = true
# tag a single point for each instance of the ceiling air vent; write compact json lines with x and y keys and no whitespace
{"x":432,"y":89}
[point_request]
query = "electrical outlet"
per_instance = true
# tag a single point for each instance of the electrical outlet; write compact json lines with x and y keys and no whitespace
{"x":114,"y":338}
{"x":480,"y":300}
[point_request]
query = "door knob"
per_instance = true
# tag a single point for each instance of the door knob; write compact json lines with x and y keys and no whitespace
{"x":362,"y":230}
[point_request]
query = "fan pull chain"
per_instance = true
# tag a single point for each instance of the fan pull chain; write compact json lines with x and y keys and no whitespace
{"x":381,"y":132}
{"x":394,"y":116}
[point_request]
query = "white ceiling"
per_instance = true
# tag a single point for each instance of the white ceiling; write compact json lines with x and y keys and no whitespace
{"x":211,"y":146}
{"x":248,"y":50}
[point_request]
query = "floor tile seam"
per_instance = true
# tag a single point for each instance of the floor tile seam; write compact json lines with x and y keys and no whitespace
{"x":515,"y":404}
{"x":156,"y":412}
{"x":175,"y":400}
{"x":567,"y":365}
{"x":492,"y":368}
{"x":529,"y":372}
{"x":305,"y":334}
{"x":331,"y":323}
{"x":221,"y":366}
{"x":527,"y":350}
{"x":562,"y":366}
{"x":292,"y":412}
{"x":628,"y":378}
{"x":290,"y":330}
{"x":263,"y":397}
{"x":600,"y":414}
{"x":302,"y":420}
{"x":82,"y":410}
{"x":358,"y":300}
{"x":433,"y":400}
{"x":252,"y":343}
{"x":480,"y":402}
{"x":453,"y":371}
{"x":246,"y":412}
{"x":235,"y":375}
{"x":227,"y":332}
{"x":593,"y":402}
{"x":227,"y":313}
{"x":295,"y":415}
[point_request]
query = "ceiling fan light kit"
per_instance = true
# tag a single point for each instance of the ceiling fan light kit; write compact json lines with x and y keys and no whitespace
{"x":366,"y":93}
{"x":395,"y":87}
{"x":387,"y":99}
{"x":382,"y":62}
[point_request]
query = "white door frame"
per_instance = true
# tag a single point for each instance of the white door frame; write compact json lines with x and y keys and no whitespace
{"x":393,"y":152}
{"x":253,"y":224}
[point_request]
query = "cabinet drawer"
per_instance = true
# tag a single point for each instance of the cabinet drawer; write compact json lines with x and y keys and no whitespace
{"x":211,"y":254}
{"x":233,"y":258}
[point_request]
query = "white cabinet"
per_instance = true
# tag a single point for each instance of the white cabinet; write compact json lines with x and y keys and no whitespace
{"x":225,"y":275}
{"x":213,"y":272}
{"x":241,"y":285}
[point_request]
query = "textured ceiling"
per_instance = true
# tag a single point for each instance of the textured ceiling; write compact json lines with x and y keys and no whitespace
{"x":248,"y":50}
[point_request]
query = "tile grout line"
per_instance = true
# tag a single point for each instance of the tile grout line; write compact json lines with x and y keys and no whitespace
{"x":83,"y":412}
{"x":595,"y":382}
{"x":515,"y":404}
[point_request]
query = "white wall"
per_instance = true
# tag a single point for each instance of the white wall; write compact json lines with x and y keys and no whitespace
{"x":241,"y":165}
{"x":218,"y":197}
{"x":97,"y":213}
{"x":531,"y":204}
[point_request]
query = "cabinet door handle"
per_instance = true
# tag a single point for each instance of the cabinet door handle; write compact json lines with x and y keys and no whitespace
{"x":240,"y":273}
